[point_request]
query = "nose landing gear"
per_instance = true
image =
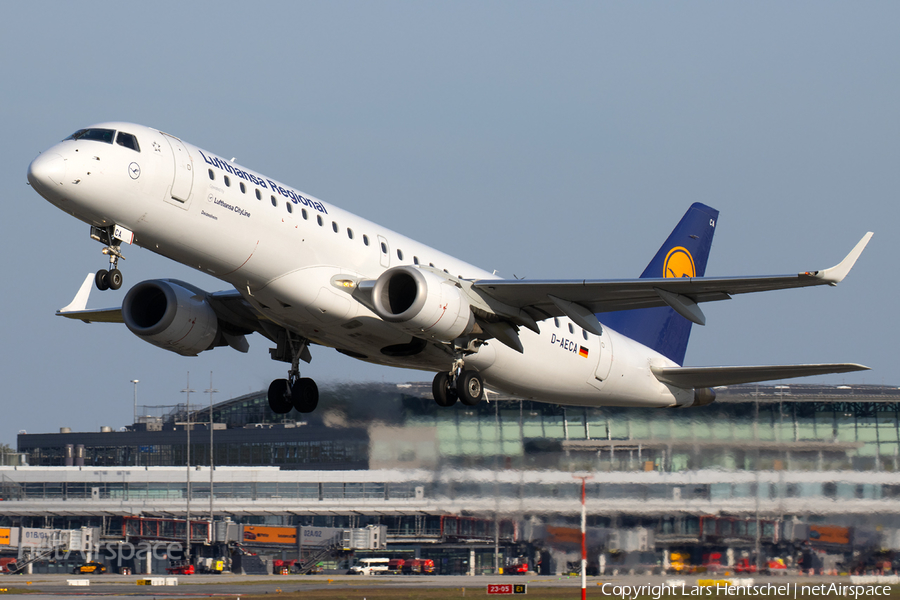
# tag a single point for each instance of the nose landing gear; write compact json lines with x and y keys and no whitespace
{"x":111,"y":279}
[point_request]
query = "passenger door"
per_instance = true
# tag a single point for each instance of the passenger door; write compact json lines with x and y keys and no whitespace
{"x":183,"y":180}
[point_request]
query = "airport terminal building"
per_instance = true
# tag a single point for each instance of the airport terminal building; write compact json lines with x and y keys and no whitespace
{"x":774,"y":470}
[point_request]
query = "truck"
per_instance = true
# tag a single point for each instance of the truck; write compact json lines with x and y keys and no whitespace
{"x":418,"y":566}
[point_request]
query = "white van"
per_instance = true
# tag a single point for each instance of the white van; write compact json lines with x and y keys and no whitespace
{"x":370,"y":566}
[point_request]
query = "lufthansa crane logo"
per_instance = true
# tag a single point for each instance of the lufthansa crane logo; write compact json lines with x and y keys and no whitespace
{"x":679,"y":263}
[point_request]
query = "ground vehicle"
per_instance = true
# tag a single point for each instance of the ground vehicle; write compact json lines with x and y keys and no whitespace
{"x":180,"y":568}
{"x":516,"y":566}
{"x":279,"y":565}
{"x":7,"y":564}
{"x":776,"y":566}
{"x":91,"y":567}
{"x":210,"y":565}
{"x":396,"y":565}
{"x":370,"y":566}
{"x":418,"y":566}
{"x":680,"y":562}
{"x":744,"y":566}
{"x":712,"y":563}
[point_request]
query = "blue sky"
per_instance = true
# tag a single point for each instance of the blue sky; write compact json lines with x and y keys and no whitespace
{"x":546,"y":140}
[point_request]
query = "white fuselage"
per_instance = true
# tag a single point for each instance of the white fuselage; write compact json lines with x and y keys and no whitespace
{"x":282,"y":250}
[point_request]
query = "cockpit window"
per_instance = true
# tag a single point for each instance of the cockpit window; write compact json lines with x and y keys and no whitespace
{"x":97,"y":135}
{"x":128,"y":140}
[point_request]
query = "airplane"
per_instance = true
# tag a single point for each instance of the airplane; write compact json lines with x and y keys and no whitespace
{"x":306,"y":273}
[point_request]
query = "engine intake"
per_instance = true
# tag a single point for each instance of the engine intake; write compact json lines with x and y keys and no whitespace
{"x":171,"y":315}
{"x":422,"y":303}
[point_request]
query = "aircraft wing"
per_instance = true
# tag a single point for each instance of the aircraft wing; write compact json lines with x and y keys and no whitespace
{"x":702,"y":377}
{"x":578,"y":299}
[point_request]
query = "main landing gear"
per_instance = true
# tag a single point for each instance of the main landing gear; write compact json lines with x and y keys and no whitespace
{"x":296,"y":392}
{"x":301,"y":393}
{"x":460,"y":384}
{"x":111,"y":279}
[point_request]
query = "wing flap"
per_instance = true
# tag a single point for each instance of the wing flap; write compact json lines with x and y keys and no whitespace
{"x":703,"y":377}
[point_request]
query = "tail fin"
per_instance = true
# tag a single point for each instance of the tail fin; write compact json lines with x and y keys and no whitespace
{"x":684,"y":254}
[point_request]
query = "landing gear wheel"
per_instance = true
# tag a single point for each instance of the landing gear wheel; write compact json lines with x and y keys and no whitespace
{"x":470,"y":387}
{"x":443,"y":394}
{"x":279,"y":397}
{"x":305,"y":395}
{"x":101,"y":279}
{"x":115,"y":279}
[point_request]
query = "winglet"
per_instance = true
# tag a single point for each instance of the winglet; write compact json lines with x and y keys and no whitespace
{"x":79,"y":302}
{"x":836,"y":274}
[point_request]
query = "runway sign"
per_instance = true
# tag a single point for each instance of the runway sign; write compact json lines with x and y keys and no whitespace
{"x":507,"y":588}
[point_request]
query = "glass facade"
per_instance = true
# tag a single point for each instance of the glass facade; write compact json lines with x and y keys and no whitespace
{"x":750,"y":428}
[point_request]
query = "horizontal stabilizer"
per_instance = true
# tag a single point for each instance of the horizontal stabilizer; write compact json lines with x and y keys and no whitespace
{"x":76,"y":309}
{"x":703,"y":377}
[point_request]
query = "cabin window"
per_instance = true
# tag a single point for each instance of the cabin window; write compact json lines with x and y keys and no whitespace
{"x":303,"y":212}
{"x":571,"y":329}
{"x":243,"y":188}
{"x":227,"y":181}
{"x":399,"y":253}
{"x":212,"y":176}
{"x":383,"y":248}
{"x":556,"y":322}
{"x":349,"y":233}
{"x":258,"y":194}
{"x":431,"y":265}
{"x":319,"y":220}
{"x":289,"y":207}
{"x":584,"y":334}
{"x":274,"y":201}
{"x":96,"y":135}
{"x":365,"y":239}
{"x":126,"y":140}
{"x":415,"y":260}
{"x":334,"y":226}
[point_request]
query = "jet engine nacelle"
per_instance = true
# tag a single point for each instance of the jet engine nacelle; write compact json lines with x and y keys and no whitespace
{"x":172,"y":315}
{"x":422,"y":303}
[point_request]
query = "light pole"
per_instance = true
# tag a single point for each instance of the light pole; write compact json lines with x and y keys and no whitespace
{"x":137,"y":458}
{"x":187,"y":520}
{"x":211,"y":391}
{"x":135,"y":382}
{"x":583,"y":479}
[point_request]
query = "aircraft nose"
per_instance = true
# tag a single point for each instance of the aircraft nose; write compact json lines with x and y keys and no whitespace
{"x":47,"y":170}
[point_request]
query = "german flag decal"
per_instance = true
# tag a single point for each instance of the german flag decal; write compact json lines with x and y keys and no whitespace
{"x":582,"y":352}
